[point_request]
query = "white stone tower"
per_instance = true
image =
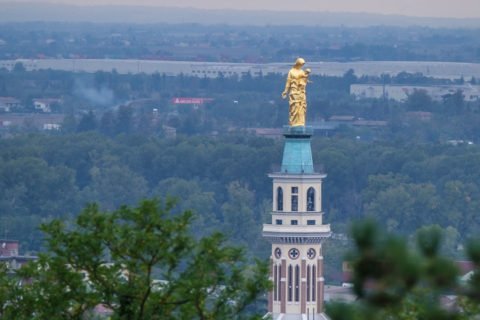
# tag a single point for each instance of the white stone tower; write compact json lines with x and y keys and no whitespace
{"x":296,"y":233}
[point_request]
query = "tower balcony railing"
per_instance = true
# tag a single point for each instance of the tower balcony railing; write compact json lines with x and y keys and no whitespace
{"x":304,"y":229}
{"x":298,"y":213}
{"x":281,"y":234}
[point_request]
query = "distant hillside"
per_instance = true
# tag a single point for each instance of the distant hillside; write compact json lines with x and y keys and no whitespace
{"x":22,"y":12}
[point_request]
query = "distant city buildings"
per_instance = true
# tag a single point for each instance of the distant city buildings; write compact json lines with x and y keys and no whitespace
{"x":401,"y":92}
{"x":444,"y":70}
{"x":44,"y":105}
{"x":35,"y":121}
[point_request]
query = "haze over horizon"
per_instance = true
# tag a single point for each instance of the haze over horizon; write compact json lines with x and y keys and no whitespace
{"x":261,"y":14}
{"x":459,"y":9}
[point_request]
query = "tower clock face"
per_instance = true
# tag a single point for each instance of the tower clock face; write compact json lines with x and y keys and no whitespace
{"x":293,"y":253}
{"x":311,"y":253}
{"x":278,"y":253}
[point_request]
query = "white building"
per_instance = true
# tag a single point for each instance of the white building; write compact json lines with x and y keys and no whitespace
{"x":7,"y":104}
{"x":52,"y":126}
{"x":44,"y":104}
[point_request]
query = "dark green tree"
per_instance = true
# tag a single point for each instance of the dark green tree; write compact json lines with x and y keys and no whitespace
{"x":87,"y":123}
{"x":454,"y":103}
{"x":19,"y":68}
{"x":124,"y":123}
{"x":238,"y":214}
{"x":192,"y":198}
{"x":69,"y":124}
{"x":107,"y":123}
{"x":419,"y":100}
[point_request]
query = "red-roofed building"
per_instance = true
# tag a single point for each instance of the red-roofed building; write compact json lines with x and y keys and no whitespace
{"x":8,"y":248}
{"x":347,"y":274}
{"x":465,"y":266}
{"x":370,"y":123}
{"x":266,"y":132}
{"x":9,"y":254}
{"x":419,"y":115}
{"x":9,"y":103}
{"x":102,"y":310}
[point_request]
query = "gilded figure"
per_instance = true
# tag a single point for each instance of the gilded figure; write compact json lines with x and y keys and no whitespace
{"x":295,"y":86}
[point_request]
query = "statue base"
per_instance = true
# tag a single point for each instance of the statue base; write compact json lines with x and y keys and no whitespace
{"x":289,"y":131}
{"x":297,"y":152}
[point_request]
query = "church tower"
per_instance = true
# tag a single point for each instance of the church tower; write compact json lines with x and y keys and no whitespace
{"x":297,"y":232}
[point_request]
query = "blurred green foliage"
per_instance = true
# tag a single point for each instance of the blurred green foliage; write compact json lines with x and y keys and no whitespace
{"x":393,"y":281}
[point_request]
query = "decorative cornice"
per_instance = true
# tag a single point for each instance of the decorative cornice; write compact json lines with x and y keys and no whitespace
{"x":275,"y":238}
{"x":292,"y":177}
{"x":296,"y":213}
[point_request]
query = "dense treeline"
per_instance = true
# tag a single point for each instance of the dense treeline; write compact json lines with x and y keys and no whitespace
{"x":404,"y":185}
{"x":224,"y":179}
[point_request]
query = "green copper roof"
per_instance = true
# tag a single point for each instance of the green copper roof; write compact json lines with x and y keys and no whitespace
{"x":297,"y":153}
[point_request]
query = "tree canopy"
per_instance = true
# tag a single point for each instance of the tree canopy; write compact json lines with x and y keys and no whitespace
{"x":139,"y":262}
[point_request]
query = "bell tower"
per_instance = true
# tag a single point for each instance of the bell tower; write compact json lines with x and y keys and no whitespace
{"x":297,"y":232}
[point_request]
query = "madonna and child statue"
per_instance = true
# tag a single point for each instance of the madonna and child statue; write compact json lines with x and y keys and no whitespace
{"x":295,"y":86}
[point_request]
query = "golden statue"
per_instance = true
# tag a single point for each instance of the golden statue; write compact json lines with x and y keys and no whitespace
{"x":297,"y":80}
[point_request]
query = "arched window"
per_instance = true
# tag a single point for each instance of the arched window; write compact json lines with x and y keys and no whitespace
{"x":294,"y":203}
{"x":275,"y":283}
{"x":311,"y":199}
{"x":290,"y":282}
{"x":279,"y":199}
{"x":314,"y":275}
{"x":308,"y":283}
{"x":297,"y":283}
{"x":279,"y":287}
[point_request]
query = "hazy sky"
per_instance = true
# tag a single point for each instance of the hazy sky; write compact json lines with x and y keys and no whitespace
{"x":419,"y":8}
